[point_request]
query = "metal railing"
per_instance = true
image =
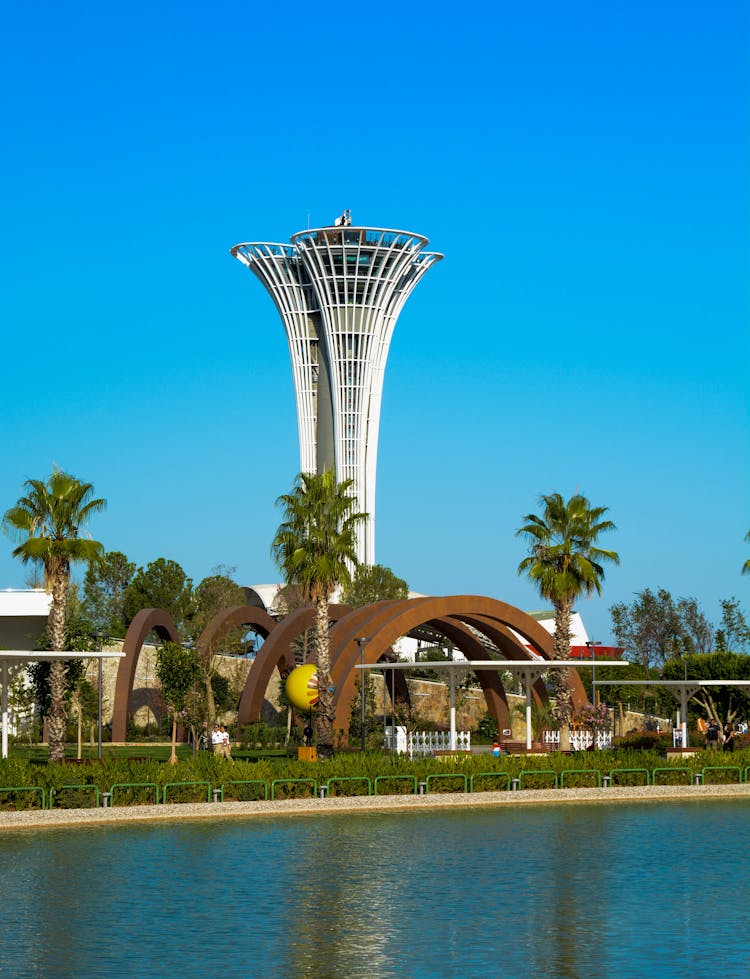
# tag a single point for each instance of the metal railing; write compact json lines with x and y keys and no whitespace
{"x":458,"y":782}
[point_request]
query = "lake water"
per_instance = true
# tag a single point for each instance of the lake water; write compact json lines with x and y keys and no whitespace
{"x":621,"y":890}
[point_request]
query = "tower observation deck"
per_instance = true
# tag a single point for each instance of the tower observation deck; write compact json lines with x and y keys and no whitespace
{"x":339,"y":291}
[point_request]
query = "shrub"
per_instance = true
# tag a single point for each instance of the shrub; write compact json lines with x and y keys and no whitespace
{"x":643,"y":740}
{"x":486,"y":729}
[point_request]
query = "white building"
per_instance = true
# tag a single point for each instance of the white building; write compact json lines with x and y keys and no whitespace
{"x":339,"y":291}
{"x":23,"y":616}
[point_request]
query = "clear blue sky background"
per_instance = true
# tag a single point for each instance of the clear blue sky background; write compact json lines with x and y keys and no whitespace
{"x":584,"y":168}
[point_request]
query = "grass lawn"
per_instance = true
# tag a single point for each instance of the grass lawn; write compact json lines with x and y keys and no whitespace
{"x":135,"y":750}
{"x":160,"y":752}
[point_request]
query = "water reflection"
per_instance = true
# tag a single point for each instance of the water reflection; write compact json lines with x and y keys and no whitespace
{"x":607,"y":890}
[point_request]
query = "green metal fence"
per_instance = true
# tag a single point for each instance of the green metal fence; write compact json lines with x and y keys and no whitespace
{"x":490,"y":777}
{"x":723,"y":768}
{"x":142,"y":793}
{"x":532,"y":773}
{"x":382,"y":779}
{"x":629,"y":772}
{"x":340,"y":779}
{"x":658,"y":773}
{"x":294,"y":781}
{"x":447,"y":777}
{"x":581,"y":771}
{"x":244,"y":782}
{"x":55,"y":793}
{"x":183,"y":785}
{"x":149,"y":786}
{"x":30,"y":789}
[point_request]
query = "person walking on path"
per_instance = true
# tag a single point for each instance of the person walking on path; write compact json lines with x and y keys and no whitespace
{"x":712,"y":735}
{"x":728,"y":737}
{"x":225,"y":748}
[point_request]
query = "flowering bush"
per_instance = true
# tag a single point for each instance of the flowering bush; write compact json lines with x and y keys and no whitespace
{"x":592,"y":718}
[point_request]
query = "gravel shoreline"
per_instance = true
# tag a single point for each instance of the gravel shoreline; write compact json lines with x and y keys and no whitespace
{"x":177,"y":812}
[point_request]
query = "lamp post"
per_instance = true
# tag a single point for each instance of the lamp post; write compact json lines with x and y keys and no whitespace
{"x":592,"y":644}
{"x":362,"y":642}
{"x":100,"y":681}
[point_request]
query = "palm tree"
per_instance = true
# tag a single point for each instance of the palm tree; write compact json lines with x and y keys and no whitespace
{"x":564,"y":564}
{"x":315,"y":547}
{"x":47,"y":522}
{"x":746,"y":565}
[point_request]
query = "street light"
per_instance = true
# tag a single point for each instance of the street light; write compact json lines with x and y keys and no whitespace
{"x":362,"y":642}
{"x":592,"y":644}
{"x":100,"y":681}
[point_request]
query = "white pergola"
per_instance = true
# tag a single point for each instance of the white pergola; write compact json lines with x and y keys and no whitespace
{"x":526,"y":670}
{"x":682,"y":690}
{"x":13,"y":661}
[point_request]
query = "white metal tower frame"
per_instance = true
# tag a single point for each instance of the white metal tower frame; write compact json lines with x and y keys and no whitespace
{"x":339,"y":292}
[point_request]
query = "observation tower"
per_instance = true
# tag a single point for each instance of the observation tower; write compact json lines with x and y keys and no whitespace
{"x":339,"y":291}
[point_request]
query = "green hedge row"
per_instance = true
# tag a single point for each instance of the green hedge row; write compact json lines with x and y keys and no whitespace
{"x":145,"y":781}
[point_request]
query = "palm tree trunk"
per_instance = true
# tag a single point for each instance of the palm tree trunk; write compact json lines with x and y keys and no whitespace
{"x":56,"y":716}
{"x":563,"y":691}
{"x":173,"y":756}
{"x":324,"y":715}
{"x":59,"y":578}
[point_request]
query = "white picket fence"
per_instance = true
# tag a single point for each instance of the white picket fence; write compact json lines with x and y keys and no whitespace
{"x":581,"y":740}
{"x":417,"y":743}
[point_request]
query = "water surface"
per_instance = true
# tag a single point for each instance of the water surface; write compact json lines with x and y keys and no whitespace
{"x":621,"y":890}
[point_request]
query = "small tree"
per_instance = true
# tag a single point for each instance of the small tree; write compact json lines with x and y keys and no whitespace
{"x":162,"y":584}
{"x":372,"y":726}
{"x":107,"y":579}
{"x":84,"y":700}
{"x":211,"y":596}
{"x":374,"y":583}
{"x":723,"y":703}
{"x":734,"y":632}
{"x":178,"y":669}
{"x":21,"y":698}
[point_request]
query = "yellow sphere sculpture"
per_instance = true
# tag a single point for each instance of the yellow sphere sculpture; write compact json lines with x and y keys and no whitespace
{"x":302,"y":686}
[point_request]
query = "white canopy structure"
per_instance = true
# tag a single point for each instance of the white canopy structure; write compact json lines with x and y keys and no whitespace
{"x":682,"y":690}
{"x":526,"y":670}
{"x":14,"y":660}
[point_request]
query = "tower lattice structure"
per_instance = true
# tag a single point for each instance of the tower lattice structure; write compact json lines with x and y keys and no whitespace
{"x":339,"y":291}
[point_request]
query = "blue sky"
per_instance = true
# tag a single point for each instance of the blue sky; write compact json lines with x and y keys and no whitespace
{"x":584,"y":168}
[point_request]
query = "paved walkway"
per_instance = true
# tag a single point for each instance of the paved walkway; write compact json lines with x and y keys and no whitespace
{"x":177,"y":812}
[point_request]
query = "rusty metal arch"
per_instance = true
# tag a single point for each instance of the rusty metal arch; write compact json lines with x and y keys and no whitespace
{"x":147,"y":620}
{"x":506,"y":642}
{"x":275,"y":652}
{"x":463,"y":639}
{"x":502,"y":637}
{"x":387,"y":621}
{"x":231,"y":618}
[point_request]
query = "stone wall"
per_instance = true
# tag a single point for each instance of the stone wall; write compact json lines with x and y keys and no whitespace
{"x":430,"y":699}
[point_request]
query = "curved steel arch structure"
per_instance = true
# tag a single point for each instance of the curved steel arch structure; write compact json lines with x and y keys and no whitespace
{"x":231,"y":618}
{"x":276,"y":652}
{"x":147,"y":620}
{"x":462,"y":619}
{"x":158,"y":621}
{"x":387,"y":621}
